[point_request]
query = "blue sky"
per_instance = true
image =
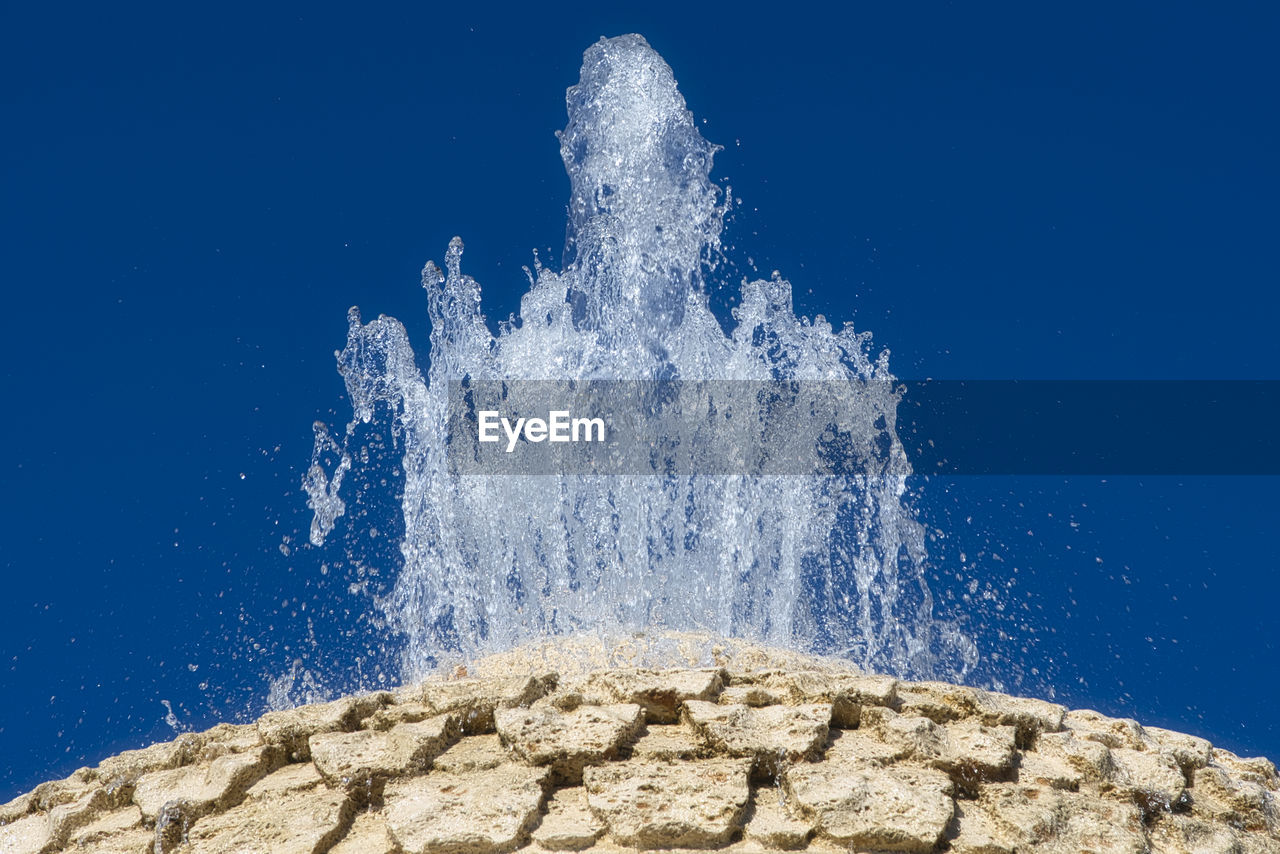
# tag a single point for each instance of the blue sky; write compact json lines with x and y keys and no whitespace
{"x":194,"y":197}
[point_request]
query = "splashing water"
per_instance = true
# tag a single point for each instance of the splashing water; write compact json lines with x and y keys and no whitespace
{"x":821,"y":563}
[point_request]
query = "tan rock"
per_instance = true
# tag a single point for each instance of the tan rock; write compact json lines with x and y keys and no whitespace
{"x":697,"y":804}
{"x":228,"y":738}
{"x":473,"y":701}
{"x":1029,"y":717}
{"x":670,"y":742}
{"x":1154,"y":779}
{"x":291,"y":729}
{"x":754,"y":696}
{"x":1113,"y":732}
{"x":357,"y":758}
{"x":1091,"y":825}
{"x":1219,"y":796}
{"x":847,"y":693}
{"x":770,"y":735}
{"x":298,"y":777}
{"x":125,"y":768}
{"x":895,"y":809}
{"x":200,"y":788}
{"x":473,"y":753}
{"x":1091,"y":759}
{"x":569,"y":824}
{"x":368,"y":835}
{"x":569,"y":741}
{"x":1255,"y":769}
{"x":1035,"y":769}
{"x":938,"y":701}
{"x":103,"y":825}
{"x":659,"y":692}
{"x":138,"y":841}
{"x":1180,"y":834}
{"x":976,"y":752}
{"x":66,"y":819}
{"x":27,"y":835}
{"x":17,"y":808}
{"x":1189,"y":751}
{"x":772,"y":825}
{"x":1005,"y":819}
{"x":862,"y":747}
{"x":911,"y":736}
{"x":480,"y":812}
{"x":303,"y":823}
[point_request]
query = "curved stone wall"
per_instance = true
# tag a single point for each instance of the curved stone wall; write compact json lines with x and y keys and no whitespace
{"x":629,"y":758}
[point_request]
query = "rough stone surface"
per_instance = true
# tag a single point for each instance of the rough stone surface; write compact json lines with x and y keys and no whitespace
{"x":743,"y":750}
{"x":696,"y":804}
{"x":484,"y":811}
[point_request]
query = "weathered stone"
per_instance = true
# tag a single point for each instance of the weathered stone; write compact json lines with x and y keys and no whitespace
{"x":1254,"y":769}
{"x":1154,"y":779}
{"x":1028,"y":716}
{"x":104,"y":825}
{"x":1113,"y":732}
{"x":228,"y":738}
{"x":303,"y":823}
{"x":1091,"y":759}
{"x":125,"y":768}
{"x":399,"y":713}
{"x":473,"y":701}
{"x":356,"y":758}
{"x":975,"y":751}
{"x":1217,"y":795}
{"x":1035,"y":769}
{"x":670,"y":742}
{"x":770,"y":735}
{"x":368,"y":835}
{"x":862,"y":747}
{"x":473,"y":753}
{"x":896,"y":809}
{"x":17,"y":808}
{"x":696,"y":804}
{"x":569,"y":741}
{"x":772,"y":826}
{"x":754,"y":696}
{"x":65,"y":819}
{"x":1091,"y":825}
{"x":569,"y":824}
{"x":938,"y":701}
{"x":200,"y":788}
{"x":659,"y":692}
{"x":1188,"y":751}
{"x":299,"y":777}
{"x":1005,"y":819}
{"x":911,"y":736}
{"x":475,"y":813}
{"x":1180,"y":834}
{"x":847,"y":693}
{"x":291,"y":729}
{"x":27,"y":835}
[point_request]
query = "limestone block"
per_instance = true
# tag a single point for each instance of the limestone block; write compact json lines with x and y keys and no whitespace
{"x":399,"y":713}
{"x":473,"y":753}
{"x":1091,"y":825}
{"x":136,"y":841}
{"x":896,"y":809}
{"x":228,"y":738}
{"x":1113,"y":732}
{"x":754,"y":696}
{"x":1036,"y":769}
{"x":27,"y":835}
{"x":938,"y":701}
{"x":291,"y":729}
{"x":298,"y":777}
{"x":1255,"y":769}
{"x":975,"y":751}
{"x":1188,"y":751}
{"x":911,"y":736}
{"x":846,"y":692}
{"x":106,"y":824}
{"x":200,"y":788}
{"x":473,"y":701}
{"x":476,"y":813}
{"x":698,"y":804}
{"x":1180,"y":834}
{"x":302,"y":823}
{"x":17,"y":808}
{"x":1217,"y":795}
{"x":569,"y":741}
{"x":1028,"y":716}
{"x":1091,"y":759}
{"x":125,"y":768}
{"x":772,"y":825}
{"x":569,"y":824}
{"x":770,"y":735}
{"x":862,"y":747}
{"x":368,"y":835}
{"x":1153,"y":778}
{"x":356,"y":758}
{"x":670,"y":742}
{"x":658,"y":692}
{"x":1005,"y":819}
{"x":65,"y":819}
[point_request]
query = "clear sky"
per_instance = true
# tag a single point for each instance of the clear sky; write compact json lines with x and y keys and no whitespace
{"x":192,"y":198}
